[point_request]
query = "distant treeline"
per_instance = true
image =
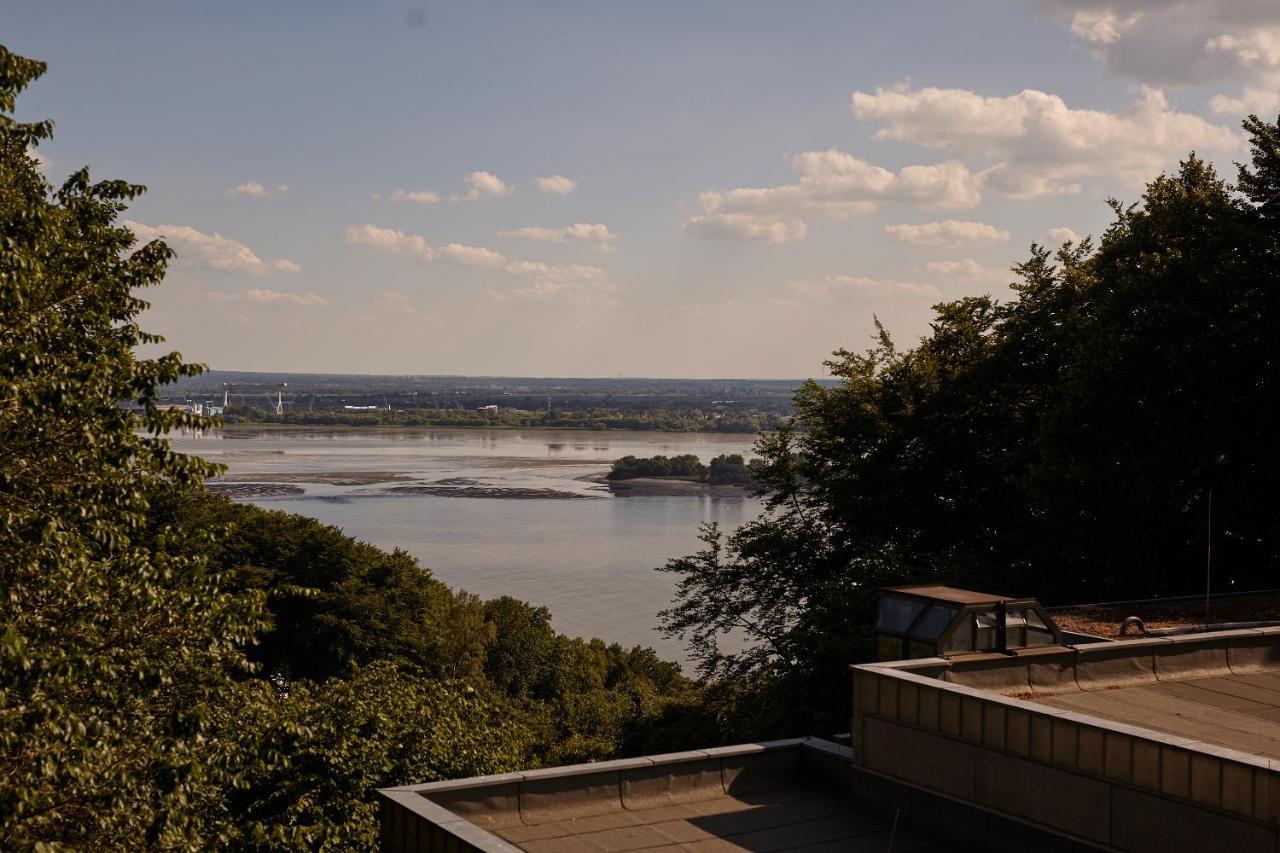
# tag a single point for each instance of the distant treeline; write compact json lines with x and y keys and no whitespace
{"x":689,"y":420}
{"x":726,"y":469}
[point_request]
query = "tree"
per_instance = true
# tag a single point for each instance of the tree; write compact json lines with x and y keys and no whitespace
{"x":115,"y":646}
{"x":1061,"y":444}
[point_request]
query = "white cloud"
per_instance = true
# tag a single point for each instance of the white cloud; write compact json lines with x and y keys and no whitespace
{"x":254,"y":189}
{"x":1251,"y":101}
{"x":555,"y":272}
{"x":1058,"y":236}
{"x":249,"y":188}
{"x":470,"y":256}
{"x":1035,"y":144}
{"x":210,"y":250}
{"x":1183,"y":43}
{"x":585,"y":232}
{"x":1102,"y":26}
{"x":950,"y":232}
{"x":482,"y":185}
{"x":415,"y":247}
{"x":745,"y":227}
{"x":557,"y":185}
{"x":271,"y":297}
{"x":830,"y":184}
{"x":415,"y":196}
{"x":42,"y":162}
{"x":968,"y":270}
{"x":823,"y":289}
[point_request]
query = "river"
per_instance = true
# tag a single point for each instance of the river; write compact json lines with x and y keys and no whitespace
{"x":497,"y":512}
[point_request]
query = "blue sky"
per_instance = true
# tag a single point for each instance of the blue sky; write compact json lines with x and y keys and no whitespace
{"x":647,"y":189}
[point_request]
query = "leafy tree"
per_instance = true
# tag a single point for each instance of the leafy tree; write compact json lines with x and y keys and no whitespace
{"x":323,"y":749}
{"x":334,"y":602}
{"x":115,"y":647}
{"x":1062,"y":444}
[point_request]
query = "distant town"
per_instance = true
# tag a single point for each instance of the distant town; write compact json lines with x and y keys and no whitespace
{"x":731,"y":405}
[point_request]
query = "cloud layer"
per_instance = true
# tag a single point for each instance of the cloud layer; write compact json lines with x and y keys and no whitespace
{"x":212,"y":251}
{"x":950,"y":233}
{"x":557,"y":185}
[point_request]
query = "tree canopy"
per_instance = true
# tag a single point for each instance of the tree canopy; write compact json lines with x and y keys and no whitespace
{"x":1063,"y":443}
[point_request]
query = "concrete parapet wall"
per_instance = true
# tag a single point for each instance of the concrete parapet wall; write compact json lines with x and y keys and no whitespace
{"x":1104,"y":783}
{"x":457,"y":815}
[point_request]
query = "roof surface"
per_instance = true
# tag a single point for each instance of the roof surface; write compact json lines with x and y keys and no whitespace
{"x":954,"y":595}
{"x":1103,"y":620}
{"x":1238,"y":711}
{"x":789,"y":819}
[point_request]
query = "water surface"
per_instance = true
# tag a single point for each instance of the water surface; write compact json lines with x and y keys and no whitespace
{"x":500,"y":512}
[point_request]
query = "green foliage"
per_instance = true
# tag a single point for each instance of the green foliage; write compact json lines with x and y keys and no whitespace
{"x":726,"y":469}
{"x":687,"y":466}
{"x":1063,"y":444}
{"x":116,"y":646}
{"x":334,"y":602}
{"x":324,"y":749}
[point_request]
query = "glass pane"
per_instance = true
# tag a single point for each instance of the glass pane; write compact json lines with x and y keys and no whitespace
{"x":888,"y":647}
{"x":932,"y":623}
{"x":1039,"y":638}
{"x":921,"y":649}
{"x":962,"y":639}
{"x":1034,"y":620}
{"x":897,"y":613}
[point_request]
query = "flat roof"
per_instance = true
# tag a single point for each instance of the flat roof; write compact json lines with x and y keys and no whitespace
{"x":1104,"y":620}
{"x":777,"y":796}
{"x":1239,"y":711}
{"x":952,"y":594}
{"x":790,"y":818}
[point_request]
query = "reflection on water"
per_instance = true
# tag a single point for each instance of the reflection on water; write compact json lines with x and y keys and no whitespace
{"x":473,"y":506}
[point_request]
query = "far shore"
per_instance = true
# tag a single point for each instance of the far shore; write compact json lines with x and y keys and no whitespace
{"x":278,"y":427}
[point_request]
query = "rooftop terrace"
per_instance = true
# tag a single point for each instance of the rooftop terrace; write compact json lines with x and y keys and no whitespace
{"x":779,"y":796}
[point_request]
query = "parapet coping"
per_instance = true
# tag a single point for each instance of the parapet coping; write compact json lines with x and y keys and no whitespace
{"x":903,"y":670}
{"x":415,"y":798}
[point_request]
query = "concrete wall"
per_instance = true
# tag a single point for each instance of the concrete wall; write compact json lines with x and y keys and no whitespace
{"x":945,"y":727}
{"x":458,"y":815}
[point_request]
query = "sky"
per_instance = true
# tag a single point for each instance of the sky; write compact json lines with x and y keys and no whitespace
{"x":668,"y":189}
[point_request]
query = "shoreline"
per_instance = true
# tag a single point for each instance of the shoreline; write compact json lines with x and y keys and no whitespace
{"x":671,"y":487}
{"x":276,"y":427}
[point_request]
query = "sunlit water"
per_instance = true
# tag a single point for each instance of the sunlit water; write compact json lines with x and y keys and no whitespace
{"x":590,"y":559}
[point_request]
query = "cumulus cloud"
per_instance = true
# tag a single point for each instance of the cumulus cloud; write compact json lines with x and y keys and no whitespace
{"x":829,"y":184}
{"x":212,"y":251}
{"x":482,"y":185}
{"x":584,"y":232}
{"x":416,"y":196}
{"x":557,"y":185}
{"x":255,"y":189}
{"x":1183,"y":42}
{"x":950,"y":232}
{"x":1058,"y":236}
{"x":415,"y":247}
{"x":744,"y":227}
{"x":271,"y":297}
{"x":968,"y":270}
{"x":823,"y":289}
{"x":567,"y":284}
{"x":555,"y":272}
{"x":1035,"y":144}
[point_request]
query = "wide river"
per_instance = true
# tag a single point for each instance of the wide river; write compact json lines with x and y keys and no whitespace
{"x":498,"y":512}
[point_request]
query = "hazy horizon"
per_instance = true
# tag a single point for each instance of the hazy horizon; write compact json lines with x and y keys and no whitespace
{"x":712,"y":190}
